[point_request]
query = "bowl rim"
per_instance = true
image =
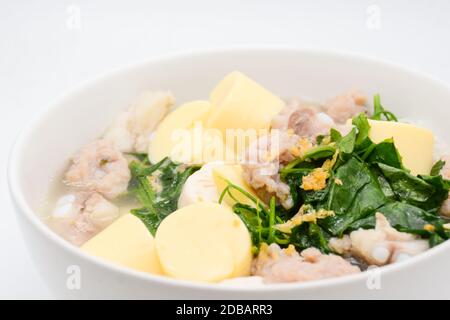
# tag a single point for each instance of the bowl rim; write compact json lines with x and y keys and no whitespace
{"x":22,"y":207}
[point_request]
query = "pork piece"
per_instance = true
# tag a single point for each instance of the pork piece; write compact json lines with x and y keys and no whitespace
{"x":380,"y":246}
{"x":277,"y":265}
{"x":345,"y":106}
{"x":263,"y":159}
{"x":99,"y":167}
{"x":131,"y":130}
{"x":304,"y":119}
{"x":445,"y":172}
{"x":343,"y":245}
{"x":78,"y":217}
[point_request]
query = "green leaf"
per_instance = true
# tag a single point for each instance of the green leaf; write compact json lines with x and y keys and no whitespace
{"x":377,"y":107}
{"x":252,"y":220}
{"x":321,"y":152}
{"x":436,"y":239}
{"x":437,"y":168}
{"x":403,"y":217}
{"x":359,"y":195}
{"x":149,"y":217}
{"x":140,"y":186}
{"x":425,"y":192}
{"x":319,"y":139}
{"x":362,"y":139}
{"x":309,"y":235}
{"x":299,"y":196}
{"x":141,"y":157}
{"x":317,"y":153}
{"x":442,"y":188}
{"x":315,"y":197}
{"x":299,"y":172}
{"x":259,"y":219}
{"x":384,"y":184}
{"x":157,"y":204}
{"x":335,"y":135}
{"x":347,"y":144}
{"x":386,"y":153}
{"x":260,"y":222}
{"x":379,"y":111}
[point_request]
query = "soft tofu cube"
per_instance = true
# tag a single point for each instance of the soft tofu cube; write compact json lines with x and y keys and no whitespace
{"x":238,"y":102}
{"x":415,"y":144}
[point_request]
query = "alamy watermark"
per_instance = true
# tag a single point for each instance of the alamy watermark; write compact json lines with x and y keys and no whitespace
{"x":373,"y":281}
{"x":373,"y":17}
{"x":73,"y":18}
{"x":202,"y":145}
{"x":73,"y":281}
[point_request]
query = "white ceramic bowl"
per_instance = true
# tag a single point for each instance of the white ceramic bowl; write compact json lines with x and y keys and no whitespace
{"x":81,"y":115}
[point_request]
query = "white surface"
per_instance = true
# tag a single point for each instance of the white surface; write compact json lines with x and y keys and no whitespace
{"x":43,"y":53}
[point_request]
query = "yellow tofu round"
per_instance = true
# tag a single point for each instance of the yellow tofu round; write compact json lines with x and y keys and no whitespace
{"x":170,"y":135}
{"x":204,"y":242}
{"x":126,"y":242}
{"x":238,"y":102}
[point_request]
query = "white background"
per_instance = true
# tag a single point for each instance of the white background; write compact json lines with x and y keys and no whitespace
{"x":46,"y":47}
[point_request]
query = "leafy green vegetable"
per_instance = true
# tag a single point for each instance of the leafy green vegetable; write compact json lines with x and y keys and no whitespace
{"x":251,"y":217}
{"x":297,"y":171}
{"x":368,"y":189}
{"x":357,"y":196}
{"x":301,"y":169}
{"x":386,"y":153}
{"x":141,"y":157}
{"x":379,"y":111}
{"x":437,"y":167}
{"x":346,"y":145}
{"x":335,"y":135}
{"x":260,"y":221}
{"x":436,"y":239}
{"x":377,"y":107}
{"x":317,"y":153}
{"x":384,"y":184}
{"x":425,"y":192}
{"x":315,"y":197}
{"x":149,"y":217}
{"x":158,"y":188}
{"x":309,"y":235}
{"x":442,"y":188}
{"x":259,"y":218}
{"x":367,"y":178}
{"x":363,"y":141}
{"x":320,"y":138}
{"x":405,"y":218}
{"x":321,"y":152}
{"x":294,"y":176}
{"x":271,"y":237}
